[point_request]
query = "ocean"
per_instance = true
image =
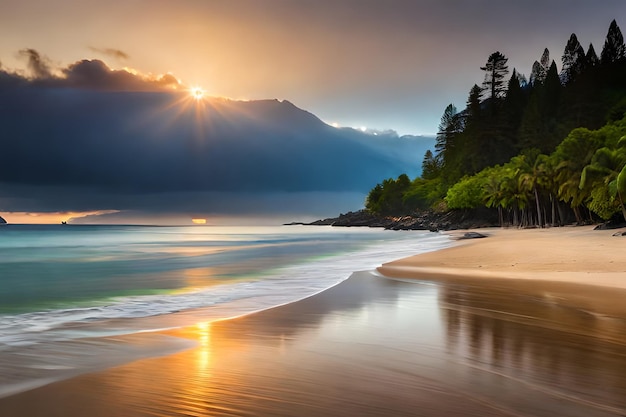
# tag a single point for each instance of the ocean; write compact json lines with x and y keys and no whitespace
{"x":74,"y":299}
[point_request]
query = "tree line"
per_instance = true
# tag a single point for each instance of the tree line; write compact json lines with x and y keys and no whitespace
{"x":545,"y":150}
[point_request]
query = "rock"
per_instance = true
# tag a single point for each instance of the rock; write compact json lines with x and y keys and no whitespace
{"x":619,"y":234}
{"x":614,"y":223}
{"x":425,"y":220}
{"x":2,"y":221}
{"x":472,"y":235}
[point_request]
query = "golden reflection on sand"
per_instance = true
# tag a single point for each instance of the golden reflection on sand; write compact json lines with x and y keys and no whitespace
{"x":369,"y":347}
{"x":204,"y":350}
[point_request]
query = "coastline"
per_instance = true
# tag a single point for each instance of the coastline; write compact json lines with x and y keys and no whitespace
{"x":367,"y":346}
{"x":575,"y":266}
{"x":576,"y":254}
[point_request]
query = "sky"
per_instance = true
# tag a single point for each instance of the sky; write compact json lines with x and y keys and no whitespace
{"x":98,"y":123}
{"x":393,"y":64}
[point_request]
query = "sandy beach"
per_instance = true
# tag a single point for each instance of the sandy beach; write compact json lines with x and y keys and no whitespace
{"x":568,"y":254}
{"x":521,"y":323}
{"x":574,"y":266}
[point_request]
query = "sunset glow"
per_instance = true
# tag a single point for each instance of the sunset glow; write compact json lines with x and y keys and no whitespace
{"x":198,"y":221}
{"x":49,"y":218}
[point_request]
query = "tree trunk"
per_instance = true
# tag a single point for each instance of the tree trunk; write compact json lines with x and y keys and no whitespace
{"x":553,"y":210}
{"x":539,"y":219}
{"x":579,"y":219}
{"x":621,"y":203}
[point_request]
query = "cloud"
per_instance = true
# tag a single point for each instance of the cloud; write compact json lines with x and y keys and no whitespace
{"x":91,"y":74}
{"x":111,"y":52}
{"x":38,"y":65}
{"x":95,"y":74}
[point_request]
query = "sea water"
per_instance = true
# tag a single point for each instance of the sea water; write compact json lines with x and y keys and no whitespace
{"x":67,"y":291}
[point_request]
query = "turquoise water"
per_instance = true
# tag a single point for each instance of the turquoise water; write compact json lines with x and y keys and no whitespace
{"x":52,"y":276}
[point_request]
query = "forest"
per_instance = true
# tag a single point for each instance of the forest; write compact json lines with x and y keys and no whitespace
{"x":546,"y":150}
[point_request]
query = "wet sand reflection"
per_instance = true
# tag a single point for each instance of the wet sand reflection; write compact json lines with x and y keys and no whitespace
{"x":371,"y":347}
{"x":558,"y":351}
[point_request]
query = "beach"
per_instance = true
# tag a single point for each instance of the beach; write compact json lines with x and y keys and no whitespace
{"x":521,"y":323}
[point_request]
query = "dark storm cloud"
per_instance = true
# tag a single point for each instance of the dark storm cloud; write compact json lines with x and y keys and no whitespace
{"x":95,"y":139}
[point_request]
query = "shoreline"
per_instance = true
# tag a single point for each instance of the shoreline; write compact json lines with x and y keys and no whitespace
{"x":362,"y":347}
{"x":576,"y":254}
{"x":576,"y":266}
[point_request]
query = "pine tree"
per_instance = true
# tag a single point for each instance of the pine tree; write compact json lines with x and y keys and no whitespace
{"x":539,"y":123}
{"x":430,"y":166}
{"x":614,"y":49}
{"x":449,"y":126}
{"x":591,"y":57}
{"x":513,"y":108}
{"x":573,"y":60}
{"x":446,"y":145}
{"x":495,"y":73}
{"x":540,"y":68}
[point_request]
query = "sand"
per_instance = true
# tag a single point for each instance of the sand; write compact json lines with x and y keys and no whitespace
{"x":572,"y":266}
{"x":516,"y":324}
{"x":571,"y":254}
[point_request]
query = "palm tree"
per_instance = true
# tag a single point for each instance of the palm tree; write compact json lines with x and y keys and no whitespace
{"x":608,"y":168}
{"x":570,"y":158}
{"x":530,"y":177}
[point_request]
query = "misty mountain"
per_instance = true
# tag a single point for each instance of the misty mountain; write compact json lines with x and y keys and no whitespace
{"x":142,"y":142}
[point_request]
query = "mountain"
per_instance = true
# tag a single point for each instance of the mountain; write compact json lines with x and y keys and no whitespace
{"x":129,"y":143}
{"x":141,"y":142}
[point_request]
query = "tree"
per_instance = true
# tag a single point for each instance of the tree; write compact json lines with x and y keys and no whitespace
{"x":591,"y":57}
{"x":614,"y":49}
{"x":530,"y":177}
{"x":538,"y":126}
{"x":570,"y":158}
{"x":467,"y":155}
{"x":466,"y":194}
{"x":495,"y":72}
{"x":449,"y":126}
{"x":573,"y":60}
{"x":430,"y":166}
{"x":540,"y":68}
{"x":388,"y":198}
{"x":602,"y":176}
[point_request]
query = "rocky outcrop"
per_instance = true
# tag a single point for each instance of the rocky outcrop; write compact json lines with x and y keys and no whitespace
{"x":427,"y":220}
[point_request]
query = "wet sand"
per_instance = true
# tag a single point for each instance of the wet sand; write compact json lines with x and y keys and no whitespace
{"x":573,"y":266}
{"x":440,"y":345}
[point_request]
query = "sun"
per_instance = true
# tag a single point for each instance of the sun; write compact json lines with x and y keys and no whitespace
{"x":197,"y":93}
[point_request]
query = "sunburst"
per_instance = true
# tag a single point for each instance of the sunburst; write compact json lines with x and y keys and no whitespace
{"x":197,"y":93}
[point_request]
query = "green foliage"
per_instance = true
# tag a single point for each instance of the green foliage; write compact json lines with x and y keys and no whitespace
{"x":423,"y":193}
{"x":388,"y":198}
{"x":603,"y":203}
{"x":465,"y":194}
